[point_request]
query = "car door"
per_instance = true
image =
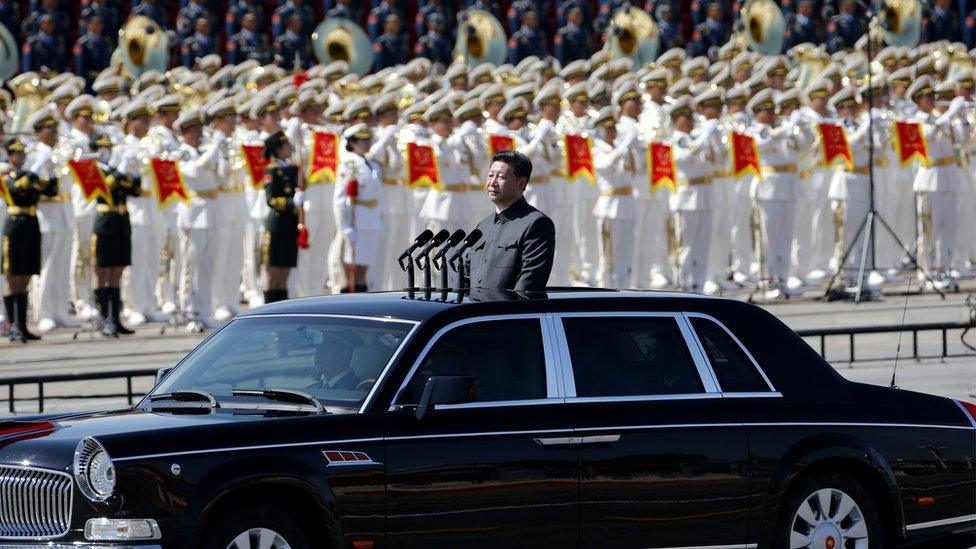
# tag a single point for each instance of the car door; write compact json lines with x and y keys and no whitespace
{"x":663,"y":462}
{"x":480,"y":474}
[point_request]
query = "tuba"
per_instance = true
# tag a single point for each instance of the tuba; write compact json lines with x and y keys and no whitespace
{"x":480,"y":39}
{"x":342,"y":40}
{"x":143,"y":46}
{"x":29,"y":98}
{"x":633,"y":34}
{"x":765,"y":27}
{"x":810,"y":61}
{"x":9,"y":53}
{"x":901,"y":22}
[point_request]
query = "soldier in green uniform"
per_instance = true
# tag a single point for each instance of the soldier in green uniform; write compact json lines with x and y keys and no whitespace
{"x":280,"y":246}
{"x":20,"y":254}
{"x":112,"y":242}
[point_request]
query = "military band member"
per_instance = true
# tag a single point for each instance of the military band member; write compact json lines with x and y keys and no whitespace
{"x":56,"y":217}
{"x":447,"y":208}
{"x":222,"y":117}
{"x":385,"y":152}
{"x":358,"y":211}
{"x":582,"y":195}
{"x":111,"y":241}
{"x":651,"y":258}
{"x":20,"y":253}
{"x":283,"y":197}
{"x":615,"y":210}
{"x":80,"y":112}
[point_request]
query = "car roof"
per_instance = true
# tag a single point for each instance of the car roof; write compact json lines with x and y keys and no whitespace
{"x":417,"y":307}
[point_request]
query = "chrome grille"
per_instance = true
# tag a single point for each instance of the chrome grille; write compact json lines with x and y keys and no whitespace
{"x":34,"y":503}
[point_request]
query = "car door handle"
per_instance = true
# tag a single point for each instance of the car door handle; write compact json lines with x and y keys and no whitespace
{"x":577,"y":441}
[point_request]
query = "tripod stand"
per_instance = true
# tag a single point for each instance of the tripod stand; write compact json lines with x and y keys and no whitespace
{"x":867,"y":228}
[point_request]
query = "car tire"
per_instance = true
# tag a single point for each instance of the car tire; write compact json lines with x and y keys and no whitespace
{"x":243,"y":528}
{"x":851,"y":519}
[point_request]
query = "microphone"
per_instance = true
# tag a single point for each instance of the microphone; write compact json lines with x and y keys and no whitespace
{"x":421,"y":239}
{"x":472,"y":239}
{"x":451,"y":242}
{"x":438,"y":239}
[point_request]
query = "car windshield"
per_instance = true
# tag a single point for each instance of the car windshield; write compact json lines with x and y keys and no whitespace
{"x":332,"y":358}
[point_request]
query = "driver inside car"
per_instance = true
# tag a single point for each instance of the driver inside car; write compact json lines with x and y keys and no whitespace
{"x":333,"y":359}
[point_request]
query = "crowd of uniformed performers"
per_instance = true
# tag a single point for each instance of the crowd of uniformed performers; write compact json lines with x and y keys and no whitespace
{"x":246,"y":184}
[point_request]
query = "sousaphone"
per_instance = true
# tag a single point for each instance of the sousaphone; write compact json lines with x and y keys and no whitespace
{"x":342,"y":40}
{"x":633,"y":34}
{"x":481,"y":39}
{"x":765,"y":27}
{"x":143,"y":46}
{"x":901,"y":22}
{"x":9,"y":53}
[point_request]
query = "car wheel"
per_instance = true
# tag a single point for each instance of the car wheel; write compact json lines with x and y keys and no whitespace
{"x":257,"y":527}
{"x":830,"y":511}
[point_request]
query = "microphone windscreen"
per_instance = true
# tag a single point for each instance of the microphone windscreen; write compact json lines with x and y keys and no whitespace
{"x":440,"y":237}
{"x":423,"y":237}
{"x":473,"y":238}
{"x":458,"y":236}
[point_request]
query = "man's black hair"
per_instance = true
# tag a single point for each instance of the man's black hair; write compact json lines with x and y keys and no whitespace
{"x":520,"y":163}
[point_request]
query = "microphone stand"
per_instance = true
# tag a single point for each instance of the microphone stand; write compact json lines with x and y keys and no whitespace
{"x":407,"y":267}
{"x":425,"y":267}
{"x":868,"y":223}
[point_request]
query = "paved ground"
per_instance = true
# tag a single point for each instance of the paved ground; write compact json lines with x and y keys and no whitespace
{"x":59,"y":353}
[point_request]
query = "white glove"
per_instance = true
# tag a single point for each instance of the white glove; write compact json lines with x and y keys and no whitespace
{"x":218,"y":138}
{"x":795,"y":117}
{"x":299,"y":198}
{"x":350,"y":234}
{"x":468,"y":128}
{"x":955,"y":105}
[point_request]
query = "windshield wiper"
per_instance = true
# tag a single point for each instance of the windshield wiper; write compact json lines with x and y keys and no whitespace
{"x":284,"y":395}
{"x":187,"y":399}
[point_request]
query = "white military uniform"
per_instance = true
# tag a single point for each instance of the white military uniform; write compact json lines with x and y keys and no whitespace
{"x":813,"y":244}
{"x":257,"y":211}
{"x":396,"y":204}
{"x":359,"y":219}
{"x":719,"y":251}
{"x":84,"y":215}
{"x":198,"y":220}
{"x":582,"y":195}
{"x":230,"y":234}
{"x":964,"y":130}
{"x":741,"y":214}
{"x":57,"y":219}
{"x":129,"y":157}
{"x":449,"y":208}
{"x":169,"y":237}
{"x":849,"y":193}
{"x":615,"y":210}
{"x":652,"y":255}
{"x":775,"y":194}
{"x":311,"y":272}
{"x":691,"y":203}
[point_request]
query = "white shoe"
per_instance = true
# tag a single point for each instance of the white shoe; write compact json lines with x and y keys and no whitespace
{"x":775,"y":293}
{"x":711,"y":288}
{"x":169,"y":308}
{"x":659,"y":281}
{"x":65,"y":322}
{"x":892,"y":275}
{"x":46,"y":325}
{"x":255,"y":300}
{"x":223,"y":314}
{"x":795,"y":283}
{"x":136,"y":318}
{"x":743,"y":278}
{"x":875,"y":280}
{"x":88,"y":313}
{"x":816,"y":275}
{"x":194,"y":327}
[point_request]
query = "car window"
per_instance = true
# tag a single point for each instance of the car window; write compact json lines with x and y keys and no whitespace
{"x":630,"y":356}
{"x":505,"y":357}
{"x":732,"y":367}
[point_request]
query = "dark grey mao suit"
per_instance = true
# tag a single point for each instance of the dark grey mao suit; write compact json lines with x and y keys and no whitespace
{"x":516,"y":250}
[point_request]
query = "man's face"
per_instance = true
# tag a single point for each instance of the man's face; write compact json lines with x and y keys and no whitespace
{"x":579,"y":107}
{"x":786,"y":110}
{"x":249,"y":23}
{"x":657,"y":93}
{"x":139,"y":126}
{"x":389,"y":118}
{"x":631,"y":108}
{"x":529,"y":20}
{"x":684,"y":122}
{"x":715,"y":12}
{"x":16,"y":158}
{"x":712,"y":112}
{"x":845,"y":111}
{"x":575,"y":16}
{"x":516,"y":123}
{"x":203,"y":26}
{"x":964,"y":92}
{"x":742,"y":74}
{"x":83,"y":123}
{"x":818,"y":104}
{"x":47,"y":26}
{"x":493,"y":109}
{"x":166,"y":118}
{"x":270,"y":121}
{"x":502,"y":186}
{"x":392,"y":25}
{"x":550,"y":111}
{"x":48,"y":134}
{"x":806,"y":9}
{"x":442,"y":127}
{"x":193,"y":135}
{"x":95,"y":26}
{"x":766,"y":116}
{"x":926,"y":102}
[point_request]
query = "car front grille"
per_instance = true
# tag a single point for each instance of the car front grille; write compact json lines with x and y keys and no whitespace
{"x":34,"y":503}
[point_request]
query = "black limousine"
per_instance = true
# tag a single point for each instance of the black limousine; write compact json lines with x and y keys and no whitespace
{"x":573,"y":419}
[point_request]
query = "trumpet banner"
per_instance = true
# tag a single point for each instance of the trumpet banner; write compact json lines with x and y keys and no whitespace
{"x":323,"y":162}
{"x":90,"y":180}
{"x":910,"y":143}
{"x":745,"y":155}
{"x":660,"y":158}
{"x":168,"y":180}
{"x":834,"y":145}
{"x":498,"y":143}
{"x":422,"y":167}
{"x":579,"y":158}
{"x":256,"y":163}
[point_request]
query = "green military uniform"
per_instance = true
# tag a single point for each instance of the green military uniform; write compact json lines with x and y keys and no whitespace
{"x":22,"y":233}
{"x":281,"y":226}
{"x":112,"y":234}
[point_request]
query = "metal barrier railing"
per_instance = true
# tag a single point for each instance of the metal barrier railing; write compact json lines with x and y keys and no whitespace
{"x":40,"y":381}
{"x":943,"y":327}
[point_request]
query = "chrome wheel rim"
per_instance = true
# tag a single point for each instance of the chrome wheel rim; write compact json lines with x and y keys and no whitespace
{"x":828,"y":519}
{"x":259,"y":538}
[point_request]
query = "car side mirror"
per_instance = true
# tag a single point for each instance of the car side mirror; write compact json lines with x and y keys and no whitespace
{"x":162,"y":372}
{"x":446,"y":390}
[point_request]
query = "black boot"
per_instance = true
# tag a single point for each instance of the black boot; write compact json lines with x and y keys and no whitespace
{"x":361,"y":288}
{"x":22,"y":318}
{"x":106,"y":325}
{"x":283,"y":295}
{"x":10,"y":330}
{"x":270,"y":296}
{"x":115,"y":298}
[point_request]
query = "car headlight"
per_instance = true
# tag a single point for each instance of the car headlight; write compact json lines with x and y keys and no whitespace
{"x":93,"y":470}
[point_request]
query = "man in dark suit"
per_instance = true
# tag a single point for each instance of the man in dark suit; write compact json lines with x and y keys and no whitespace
{"x":519,"y":241}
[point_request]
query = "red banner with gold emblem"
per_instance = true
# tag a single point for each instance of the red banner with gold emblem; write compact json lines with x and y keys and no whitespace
{"x":90,"y":179}
{"x":168,"y":180}
{"x":498,"y":143}
{"x":422,"y":166}
{"x":745,"y":155}
{"x":661,"y":161}
{"x":910,"y":143}
{"x":579,"y":158}
{"x":256,"y":163}
{"x":323,"y":162}
{"x":833,"y":143}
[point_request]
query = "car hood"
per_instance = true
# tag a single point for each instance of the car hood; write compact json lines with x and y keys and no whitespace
{"x":49,"y":441}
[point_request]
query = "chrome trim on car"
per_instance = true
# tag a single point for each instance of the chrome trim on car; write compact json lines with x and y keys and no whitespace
{"x":35,"y":503}
{"x":735,"y":339}
{"x":965,"y":412}
{"x":937,"y":523}
{"x":245,"y":448}
{"x":500,"y":403}
{"x":474,"y":320}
